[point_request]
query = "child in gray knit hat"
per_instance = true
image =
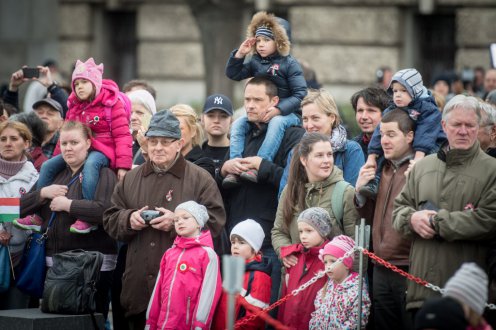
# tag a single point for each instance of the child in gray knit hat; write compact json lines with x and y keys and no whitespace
{"x":186,"y":211}
{"x":314,"y":226}
{"x":409,"y":94}
{"x":469,"y":286}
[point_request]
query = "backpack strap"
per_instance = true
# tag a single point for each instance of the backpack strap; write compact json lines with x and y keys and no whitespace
{"x":337,"y":202}
{"x":126,"y":103}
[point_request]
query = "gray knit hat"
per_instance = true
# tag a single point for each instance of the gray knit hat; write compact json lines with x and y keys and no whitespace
{"x":318,"y":218}
{"x":469,"y":286}
{"x":198,"y":211}
{"x":411,"y":79}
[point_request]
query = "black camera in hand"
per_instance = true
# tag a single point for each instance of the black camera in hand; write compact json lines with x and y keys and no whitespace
{"x":149,"y":215}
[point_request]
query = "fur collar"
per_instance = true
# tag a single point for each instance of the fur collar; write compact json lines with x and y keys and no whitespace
{"x":280,"y":34}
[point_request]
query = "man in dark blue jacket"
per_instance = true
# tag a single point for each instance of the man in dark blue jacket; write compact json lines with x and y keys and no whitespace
{"x":258,"y":200}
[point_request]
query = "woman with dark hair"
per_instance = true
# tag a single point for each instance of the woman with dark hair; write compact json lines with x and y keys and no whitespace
{"x":64,"y":197}
{"x":312,"y":179}
{"x":17,"y":176}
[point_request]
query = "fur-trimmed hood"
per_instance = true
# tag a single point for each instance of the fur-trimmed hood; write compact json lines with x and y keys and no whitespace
{"x":280,"y":34}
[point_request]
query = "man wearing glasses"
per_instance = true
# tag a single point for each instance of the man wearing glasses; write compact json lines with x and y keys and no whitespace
{"x":160,"y":184}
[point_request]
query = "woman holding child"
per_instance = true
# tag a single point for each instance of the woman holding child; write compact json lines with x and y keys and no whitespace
{"x":64,"y":199}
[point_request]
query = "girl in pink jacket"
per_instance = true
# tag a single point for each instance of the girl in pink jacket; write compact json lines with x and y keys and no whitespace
{"x":188,"y":285}
{"x":95,"y":102}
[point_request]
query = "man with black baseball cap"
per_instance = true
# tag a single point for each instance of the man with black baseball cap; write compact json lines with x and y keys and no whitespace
{"x":51,"y":112}
{"x":216,"y":119}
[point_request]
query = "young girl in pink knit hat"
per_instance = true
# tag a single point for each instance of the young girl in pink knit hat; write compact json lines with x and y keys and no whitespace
{"x":336,"y":303}
{"x":92,"y":101}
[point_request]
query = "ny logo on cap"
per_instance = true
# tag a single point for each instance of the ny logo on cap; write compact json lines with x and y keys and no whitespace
{"x":218,"y":100}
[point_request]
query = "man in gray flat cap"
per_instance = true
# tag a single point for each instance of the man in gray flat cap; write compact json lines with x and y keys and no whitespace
{"x":161,"y":183}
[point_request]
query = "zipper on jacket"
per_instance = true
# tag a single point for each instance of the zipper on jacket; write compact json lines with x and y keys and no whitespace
{"x":390,"y":187}
{"x":187,"y":310}
{"x":170,"y":290}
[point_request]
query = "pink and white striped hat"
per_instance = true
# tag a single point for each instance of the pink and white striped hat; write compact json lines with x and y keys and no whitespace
{"x":337,"y":248}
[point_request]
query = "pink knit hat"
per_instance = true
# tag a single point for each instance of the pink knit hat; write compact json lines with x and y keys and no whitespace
{"x":338,"y":248}
{"x":89,"y":71}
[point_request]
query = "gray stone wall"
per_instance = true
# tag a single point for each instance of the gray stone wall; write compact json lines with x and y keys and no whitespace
{"x":169,"y":53}
{"x":475,"y":30}
{"x":345,"y":45}
{"x":343,"y":40}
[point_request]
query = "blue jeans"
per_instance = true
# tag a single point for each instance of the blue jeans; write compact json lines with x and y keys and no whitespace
{"x":91,"y":172}
{"x":273,"y":138}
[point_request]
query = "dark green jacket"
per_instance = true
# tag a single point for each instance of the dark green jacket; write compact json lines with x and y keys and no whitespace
{"x":462,"y":184}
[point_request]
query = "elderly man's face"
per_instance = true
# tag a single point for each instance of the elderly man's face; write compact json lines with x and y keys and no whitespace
{"x":163,"y":150}
{"x":50,"y":116}
{"x":461,"y":128}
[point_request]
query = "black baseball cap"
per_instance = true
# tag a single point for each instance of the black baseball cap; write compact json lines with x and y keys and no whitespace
{"x":218,"y":102}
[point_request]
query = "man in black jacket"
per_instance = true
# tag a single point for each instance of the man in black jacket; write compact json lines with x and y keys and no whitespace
{"x":258,"y":201}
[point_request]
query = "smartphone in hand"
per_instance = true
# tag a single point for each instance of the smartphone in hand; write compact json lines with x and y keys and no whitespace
{"x":31,"y":73}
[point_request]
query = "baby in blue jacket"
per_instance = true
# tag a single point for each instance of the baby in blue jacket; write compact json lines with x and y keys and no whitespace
{"x":409,"y":94}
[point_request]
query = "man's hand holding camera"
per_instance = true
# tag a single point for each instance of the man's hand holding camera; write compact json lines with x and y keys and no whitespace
{"x":160,"y":219}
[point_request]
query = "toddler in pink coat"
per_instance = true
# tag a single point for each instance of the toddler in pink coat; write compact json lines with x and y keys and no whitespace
{"x":188,"y":285}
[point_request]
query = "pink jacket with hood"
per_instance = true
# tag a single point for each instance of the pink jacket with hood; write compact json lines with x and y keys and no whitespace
{"x":188,"y":286}
{"x":115,"y":143}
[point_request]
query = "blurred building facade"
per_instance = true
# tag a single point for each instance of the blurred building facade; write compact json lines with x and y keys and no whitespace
{"x":345,"y":41}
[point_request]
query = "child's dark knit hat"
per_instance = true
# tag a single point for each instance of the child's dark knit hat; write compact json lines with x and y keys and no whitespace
{"x":411,"y":79}
{"x":265,"y":31}
{"x":442,"y":314}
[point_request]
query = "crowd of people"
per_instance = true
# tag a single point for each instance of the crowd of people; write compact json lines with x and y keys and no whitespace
{"x":282,"y":187}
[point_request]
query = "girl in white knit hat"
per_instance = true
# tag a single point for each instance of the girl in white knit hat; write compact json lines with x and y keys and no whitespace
{"x":246,"y":240}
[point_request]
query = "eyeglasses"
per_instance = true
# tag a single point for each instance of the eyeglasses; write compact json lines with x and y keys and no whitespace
{"x":154,"y":141}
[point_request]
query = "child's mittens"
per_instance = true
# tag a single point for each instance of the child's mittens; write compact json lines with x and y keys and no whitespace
{"x":271,"y":113}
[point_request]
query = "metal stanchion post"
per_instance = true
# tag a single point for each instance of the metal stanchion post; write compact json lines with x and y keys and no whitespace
{"x":362,"y":234}
{"x":233,"y":269}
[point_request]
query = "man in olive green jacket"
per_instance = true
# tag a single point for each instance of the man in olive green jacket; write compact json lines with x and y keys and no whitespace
{"x":447,"y":206}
